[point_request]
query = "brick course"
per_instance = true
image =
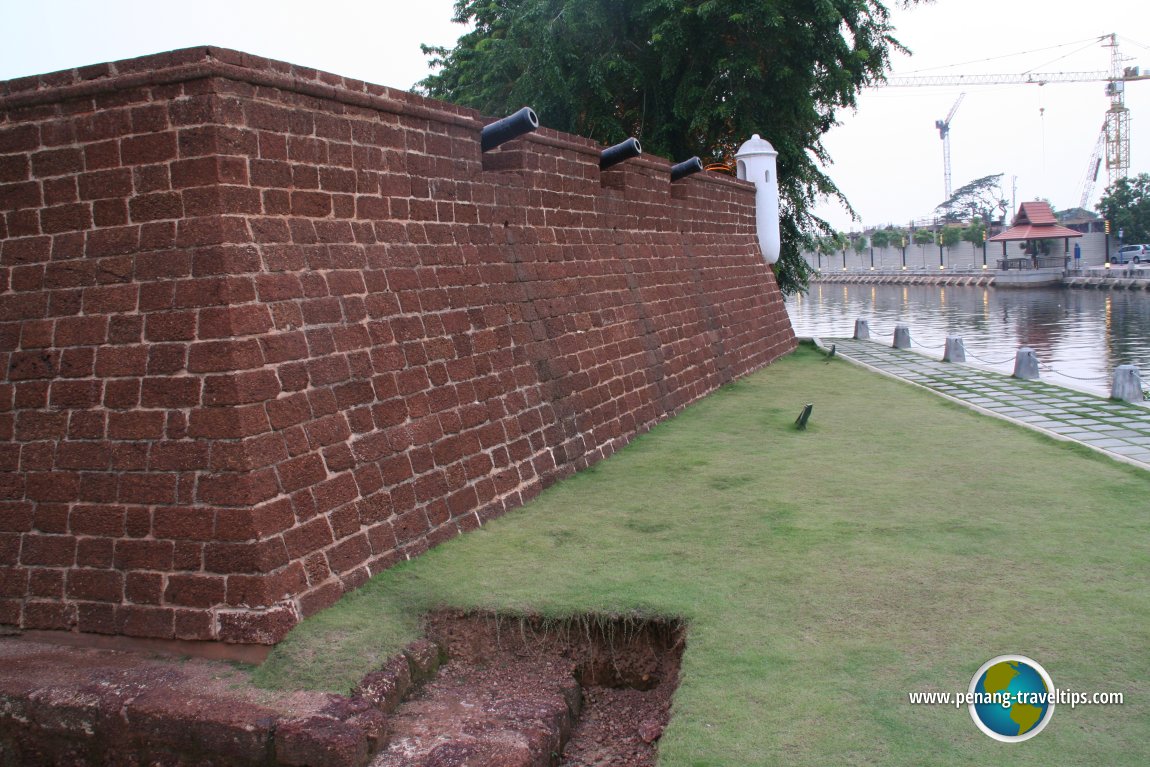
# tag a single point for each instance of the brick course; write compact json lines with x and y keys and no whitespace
{"x":265,"y":332}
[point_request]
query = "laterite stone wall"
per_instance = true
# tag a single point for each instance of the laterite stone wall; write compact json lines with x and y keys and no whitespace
{"x":265,"y":331}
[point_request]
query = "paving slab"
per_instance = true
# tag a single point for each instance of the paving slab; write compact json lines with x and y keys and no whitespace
{"x":1116,"y":429}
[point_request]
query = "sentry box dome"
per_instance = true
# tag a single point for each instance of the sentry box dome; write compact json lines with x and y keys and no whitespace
{"x":757,"y":164}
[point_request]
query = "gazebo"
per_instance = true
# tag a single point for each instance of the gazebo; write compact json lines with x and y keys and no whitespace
{"x":1034,"y":222}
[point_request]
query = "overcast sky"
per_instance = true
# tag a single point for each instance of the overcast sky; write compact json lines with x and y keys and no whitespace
{"x":887,"y":155}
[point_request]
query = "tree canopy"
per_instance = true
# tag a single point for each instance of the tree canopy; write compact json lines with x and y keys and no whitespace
{"x":981,"y":197}
{"x":887,"y":237}
{"x":923,"y":237}
{"x":686,"y":77}
{"x":975,"y":234}
{"x":1126,"y":205}
{"x":950,"y":236}
{"x":881,"y":238}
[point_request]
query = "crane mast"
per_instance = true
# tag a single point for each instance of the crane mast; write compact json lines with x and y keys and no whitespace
{"x":1092,"y":168}
{"x":944,"y":134}
{"x":1117,"y":117}
{"x":1116,"y":129}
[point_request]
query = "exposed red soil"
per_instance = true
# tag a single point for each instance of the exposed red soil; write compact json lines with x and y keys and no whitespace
{"x":512,"y":693}
{"x":576,"y":693}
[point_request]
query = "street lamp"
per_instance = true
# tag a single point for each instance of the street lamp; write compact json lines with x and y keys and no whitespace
{"x":1106,"y":227}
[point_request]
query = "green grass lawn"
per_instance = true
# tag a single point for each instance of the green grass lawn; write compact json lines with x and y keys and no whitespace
{"x":895,"y":546}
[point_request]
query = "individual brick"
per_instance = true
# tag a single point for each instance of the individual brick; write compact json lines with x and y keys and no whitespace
{"x":96,"y":585}
{"x":195,"y":590}
{"x":48,"y":550}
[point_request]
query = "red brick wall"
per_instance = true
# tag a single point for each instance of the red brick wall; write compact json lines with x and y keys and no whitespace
{"x":265,"y":332}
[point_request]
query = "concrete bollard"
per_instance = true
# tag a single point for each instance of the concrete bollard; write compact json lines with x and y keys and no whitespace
{"x":1127,"y":384}
{"x":862,"y":330}
{"x":1026,"y":364}
{"x":955,"y":350}
{"x":901,"y":337}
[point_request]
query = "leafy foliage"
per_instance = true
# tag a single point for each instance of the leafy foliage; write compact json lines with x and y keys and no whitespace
{"x":980,"y":197}
{"x":888,"y":237}
{"x":686,"y":77}
{"x":880,"y":238}
{"x":829,"y":245}
{"x":1126,"y":205}
{"x":974,"y":234}
{"x":951,"y":236}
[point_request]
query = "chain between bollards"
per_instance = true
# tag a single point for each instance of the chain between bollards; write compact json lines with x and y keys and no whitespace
{"x":1126,"y":385}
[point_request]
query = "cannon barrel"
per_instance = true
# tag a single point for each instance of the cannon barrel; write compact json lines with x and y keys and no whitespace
{"x":512,"y":126}
{"x":613,"y":155}
{"x":685,"y":168}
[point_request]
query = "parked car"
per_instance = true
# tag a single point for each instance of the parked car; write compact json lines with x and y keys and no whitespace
{"x":1137,"y":254}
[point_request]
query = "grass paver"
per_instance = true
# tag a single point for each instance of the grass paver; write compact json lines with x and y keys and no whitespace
{"x":894,"y":546}
{"x":1129,"y":450}
{"x":1105,"y":442}
{"x":1036,"y":403}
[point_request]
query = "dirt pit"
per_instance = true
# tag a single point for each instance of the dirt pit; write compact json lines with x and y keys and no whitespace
{"x":519,"y":692}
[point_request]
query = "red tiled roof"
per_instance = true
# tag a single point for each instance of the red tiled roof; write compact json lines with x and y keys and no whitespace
{"x":1034,"y":221}
{"x":1031,"y":232}
{"x":1037,"y":213}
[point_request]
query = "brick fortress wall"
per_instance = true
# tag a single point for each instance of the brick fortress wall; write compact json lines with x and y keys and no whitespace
{"x":265,"y":331}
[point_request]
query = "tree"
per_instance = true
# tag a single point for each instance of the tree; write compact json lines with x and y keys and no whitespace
{"x":858,"y":244}
{"x":884,"y":238}
{"x":974,"y":234}
{"x":888,"y":237}
{"x":921,"y":237}
{"x":842,"y":241}
{"x":980,"y":197}
{"x":1126,"y":205}
{"x":951,"y":236}
{"x":881,"y":238}
{"x":826,"y":245}
{"x":686,"y":77}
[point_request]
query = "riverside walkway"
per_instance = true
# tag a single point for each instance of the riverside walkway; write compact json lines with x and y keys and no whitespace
{"x":1118,"y":429}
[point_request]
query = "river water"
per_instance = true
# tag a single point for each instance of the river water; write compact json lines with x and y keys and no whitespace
{"x":1080,"y":336}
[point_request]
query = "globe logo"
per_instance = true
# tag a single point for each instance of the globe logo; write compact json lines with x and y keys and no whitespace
{"x":1011,"y":698}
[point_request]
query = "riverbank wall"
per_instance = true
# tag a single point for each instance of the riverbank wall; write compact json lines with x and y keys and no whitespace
{"x":1092,"y":248}
{"x":1116,"y":278}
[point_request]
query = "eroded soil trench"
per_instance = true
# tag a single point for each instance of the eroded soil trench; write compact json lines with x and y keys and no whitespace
{"x":529,"y":691}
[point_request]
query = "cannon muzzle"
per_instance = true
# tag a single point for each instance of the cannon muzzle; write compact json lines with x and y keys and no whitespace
{"x":512,"y":126}
{"x":613,"y":155}
{"x":685,"y":168}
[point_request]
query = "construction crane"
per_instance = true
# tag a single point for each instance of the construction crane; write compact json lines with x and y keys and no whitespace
{"x":1118,"y":116}
{"x":1117,"y":125}
{"x":1092,"y":168}
{"x":944,"y":134}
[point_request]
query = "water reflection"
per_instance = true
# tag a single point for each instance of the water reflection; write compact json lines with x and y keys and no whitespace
{"x":1082,"y":335}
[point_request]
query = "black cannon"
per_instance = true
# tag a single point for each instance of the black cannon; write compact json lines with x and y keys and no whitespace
{"x":512,"y":126}
{"x":685,"y":168}
{"x":613,"y":155}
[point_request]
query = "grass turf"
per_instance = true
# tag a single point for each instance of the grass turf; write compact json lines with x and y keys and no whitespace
{"x":894,"y":546}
